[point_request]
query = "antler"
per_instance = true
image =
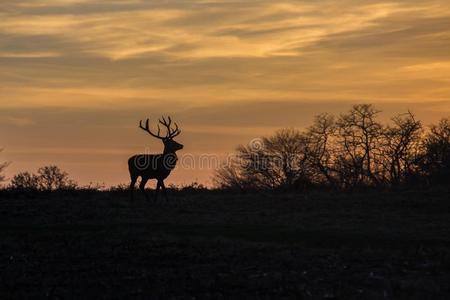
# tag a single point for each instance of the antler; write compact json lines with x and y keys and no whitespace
{"x":147,"y":129}
{"x":171,"y":133}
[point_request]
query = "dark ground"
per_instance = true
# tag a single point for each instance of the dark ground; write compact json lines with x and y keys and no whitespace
{"x":216,"y":245}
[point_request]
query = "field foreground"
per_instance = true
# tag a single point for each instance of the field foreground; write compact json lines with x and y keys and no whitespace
{"x":217,"y":245}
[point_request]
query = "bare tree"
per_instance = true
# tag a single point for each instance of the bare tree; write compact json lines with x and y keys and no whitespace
{"x":289,"y":147}
{"x":358,"y":139}
{"x":229,"y":176}
{"x":321,"y":147}
{"x":278,"y":161}
{"x":401,"y":148}
{"x":2,"y":169}
{"x":436,"y":161}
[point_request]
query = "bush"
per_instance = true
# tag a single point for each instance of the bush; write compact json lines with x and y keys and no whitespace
{"x":48,"y":178}
{"x":52,"y":178}
{"x":25,"y":181}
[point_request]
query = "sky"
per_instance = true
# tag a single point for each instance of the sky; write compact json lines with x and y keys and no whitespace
{"x":76,"y":76}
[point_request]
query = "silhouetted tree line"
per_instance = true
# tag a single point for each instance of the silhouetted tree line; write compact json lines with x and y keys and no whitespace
{"x":344,"y":152}
{"x":48,"y":178}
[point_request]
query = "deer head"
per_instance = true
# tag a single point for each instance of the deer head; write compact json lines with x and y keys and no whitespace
{"x":170,"y":146}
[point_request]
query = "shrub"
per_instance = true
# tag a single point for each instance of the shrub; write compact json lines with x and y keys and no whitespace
{"x":48,"y":178}
{"x":25,"y":181}
{"x":53,"y":178}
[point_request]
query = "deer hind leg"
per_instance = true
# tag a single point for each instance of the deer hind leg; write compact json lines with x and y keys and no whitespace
{"x":164,"y":190}
{"x":133,"y":182}
{"x":142,"y":187}
{"x":158,"y":186}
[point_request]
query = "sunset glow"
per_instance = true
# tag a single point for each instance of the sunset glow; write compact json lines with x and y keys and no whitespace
{"x":76,"y":76}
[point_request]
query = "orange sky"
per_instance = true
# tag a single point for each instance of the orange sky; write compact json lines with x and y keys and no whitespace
{"x":77,"y":75}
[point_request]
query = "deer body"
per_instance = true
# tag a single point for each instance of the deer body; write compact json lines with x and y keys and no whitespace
{"x":155,"y":166}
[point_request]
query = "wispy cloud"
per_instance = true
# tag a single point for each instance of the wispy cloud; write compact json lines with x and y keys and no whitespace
{"x":219,"y":50}
{"x":16,"y":121}
{"x":202,"y":29}
{"x":28,"y":54}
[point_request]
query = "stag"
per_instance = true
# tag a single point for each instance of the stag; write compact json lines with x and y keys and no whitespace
{"x":155,"y":166}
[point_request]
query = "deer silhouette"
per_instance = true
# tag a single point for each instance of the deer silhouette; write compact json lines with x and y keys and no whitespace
{"x":155,"y":166}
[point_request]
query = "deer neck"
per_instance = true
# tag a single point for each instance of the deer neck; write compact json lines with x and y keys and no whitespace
{"x":169,"y":152}
{"x":170,"y":159}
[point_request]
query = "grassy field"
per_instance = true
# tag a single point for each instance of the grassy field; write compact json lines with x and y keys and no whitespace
{"x":217,"y":245}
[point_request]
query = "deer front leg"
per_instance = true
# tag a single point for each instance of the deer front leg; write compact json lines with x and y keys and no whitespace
{"x":142,"y":188}
{"x":133,"y":182}
{"x":158,"y":186}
